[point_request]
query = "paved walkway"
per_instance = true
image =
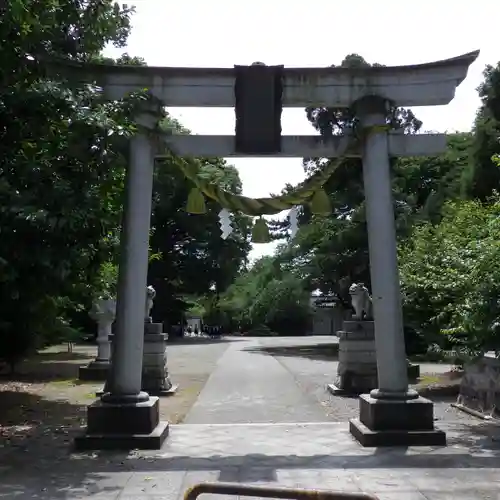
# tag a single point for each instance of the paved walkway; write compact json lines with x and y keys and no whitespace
{"x":291,"y":441}
{"x":251,"y":387}
{"x":315,"y":455}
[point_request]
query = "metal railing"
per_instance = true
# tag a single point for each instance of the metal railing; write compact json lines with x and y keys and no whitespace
{"x":248,"y":490}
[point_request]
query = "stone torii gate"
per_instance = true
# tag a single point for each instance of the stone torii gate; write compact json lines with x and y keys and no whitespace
{"x":125,"y":417}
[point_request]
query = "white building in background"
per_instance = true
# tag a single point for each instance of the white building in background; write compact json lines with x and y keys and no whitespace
{"x":194,"y":322}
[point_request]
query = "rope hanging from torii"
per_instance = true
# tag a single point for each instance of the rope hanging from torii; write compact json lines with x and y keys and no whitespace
{"x":310,"y":193}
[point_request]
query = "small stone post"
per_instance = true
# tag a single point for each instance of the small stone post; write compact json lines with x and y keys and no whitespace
{"x":103,"y":312}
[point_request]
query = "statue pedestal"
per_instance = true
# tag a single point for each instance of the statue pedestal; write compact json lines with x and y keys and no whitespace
{"x":357,"y":368}
{"x":155,"y":377}
{"x":95,"y":371}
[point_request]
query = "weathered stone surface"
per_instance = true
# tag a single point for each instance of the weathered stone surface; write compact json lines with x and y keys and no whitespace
{"x":393,"y":422}
{"x":480,"y":386}
{"x":95,"y":370}
{"x":363,"y":329}
{"x":430,"y":84}
{"x":377,"y":439}
{"x":153,"y":328}
{"x":155,"y":378}
{"x":314,"y":456}
{"x":123,"y":426}
{"x":154,"y":348}
{"x":357,"y":368}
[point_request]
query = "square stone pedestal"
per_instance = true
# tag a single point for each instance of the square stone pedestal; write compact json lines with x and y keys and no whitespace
{"x":112,"y":426}
{"x":386,"y":422}
{"x":155,"y":377}
{"x":357,"y":366}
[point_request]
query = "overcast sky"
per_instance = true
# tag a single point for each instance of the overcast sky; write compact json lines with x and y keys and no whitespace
{"x":313,"y":33}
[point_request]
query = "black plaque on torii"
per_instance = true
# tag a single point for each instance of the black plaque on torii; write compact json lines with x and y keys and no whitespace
{"x":258,"y":92}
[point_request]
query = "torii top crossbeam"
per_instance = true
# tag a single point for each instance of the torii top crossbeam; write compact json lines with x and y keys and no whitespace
{"x":427,"y":84}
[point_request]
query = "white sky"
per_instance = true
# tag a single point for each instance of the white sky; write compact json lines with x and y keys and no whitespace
{"x":221,"y":33}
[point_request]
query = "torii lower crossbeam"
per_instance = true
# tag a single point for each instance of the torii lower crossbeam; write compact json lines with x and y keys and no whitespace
{"x":300,"y":146}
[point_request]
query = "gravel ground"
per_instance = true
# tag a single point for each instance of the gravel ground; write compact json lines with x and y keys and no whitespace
{"x":44,"y":408}
{"x":313,"y":374}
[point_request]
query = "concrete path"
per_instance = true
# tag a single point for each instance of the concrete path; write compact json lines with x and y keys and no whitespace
{"x":260,"y":420}
{"x":279,"y":379}
{"x":253,"y":387}
{"x":315,"y":455}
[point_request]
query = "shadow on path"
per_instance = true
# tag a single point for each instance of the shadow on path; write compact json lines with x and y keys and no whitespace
{"x":202,"y":340}
{"x":47,"y":366}
{"x":32,"y":427}
{"x":61,"y":475}
{"x":37,"y":374}
{"x":324,"y":352}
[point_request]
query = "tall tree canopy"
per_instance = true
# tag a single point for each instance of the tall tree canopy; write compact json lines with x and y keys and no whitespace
{"x":483,"y":174}
{"x":61,"y":164}
{"x":194,"y":257}
{"x":63,"y":156}
{"x":449,"y":276}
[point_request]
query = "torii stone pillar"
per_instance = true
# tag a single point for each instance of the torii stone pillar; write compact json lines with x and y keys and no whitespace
{"x":391,"y":353}
{"x":127,"y":417}
{"x":392,"y":414}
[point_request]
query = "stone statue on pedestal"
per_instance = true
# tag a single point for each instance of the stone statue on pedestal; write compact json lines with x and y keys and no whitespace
{"x":150,"y":296}
{"x":357,"y":370}
{"x":103,"y":312}
{"x":357,"y":367}
{"x":155,"y":377}
{"x":361,"y":302}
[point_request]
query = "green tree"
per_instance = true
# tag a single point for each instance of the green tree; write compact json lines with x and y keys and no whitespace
{"x":61,"y":179}
{"x":61,"y":167}
{"x":483,"y":175}
{"x":194,"y":257}
{"x":264,"y":295}
{"x":431,"y":181}
{"x":450,"y":276}
{"x":334,"y":250}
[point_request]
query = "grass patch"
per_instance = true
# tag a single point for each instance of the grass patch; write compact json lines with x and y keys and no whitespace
{"x":45,"y":356}
{"x":70,"y":382}
{"x":437,"y":355}
{"x":430,"y":379}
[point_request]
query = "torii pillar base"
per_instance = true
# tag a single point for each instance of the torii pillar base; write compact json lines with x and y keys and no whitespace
{"x":123,"y":426}
{"x":396,"y":422}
